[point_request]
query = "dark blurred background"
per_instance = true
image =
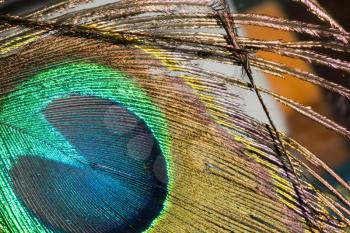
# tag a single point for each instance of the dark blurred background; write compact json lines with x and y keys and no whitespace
{"x":332,"y":148}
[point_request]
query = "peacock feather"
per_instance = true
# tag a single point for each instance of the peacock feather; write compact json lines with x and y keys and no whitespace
{"x":117,"y":116}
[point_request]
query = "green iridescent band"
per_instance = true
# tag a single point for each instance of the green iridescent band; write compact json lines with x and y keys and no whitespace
{"x":26,"y":131}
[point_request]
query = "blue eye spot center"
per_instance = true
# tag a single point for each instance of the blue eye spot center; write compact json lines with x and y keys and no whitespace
{"x":122,"y":184}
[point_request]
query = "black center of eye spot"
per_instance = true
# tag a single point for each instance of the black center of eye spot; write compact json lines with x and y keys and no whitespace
{"x":122,"y":187}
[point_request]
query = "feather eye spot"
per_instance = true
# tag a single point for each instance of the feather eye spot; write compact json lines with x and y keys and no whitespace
{"x":93,"y":160}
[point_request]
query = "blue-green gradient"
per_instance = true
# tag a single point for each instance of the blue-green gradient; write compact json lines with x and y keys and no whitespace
{"x":57,"y":176}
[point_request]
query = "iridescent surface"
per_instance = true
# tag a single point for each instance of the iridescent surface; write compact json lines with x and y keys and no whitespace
{"x":69,"y":165}
{"x":227,"y":170}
